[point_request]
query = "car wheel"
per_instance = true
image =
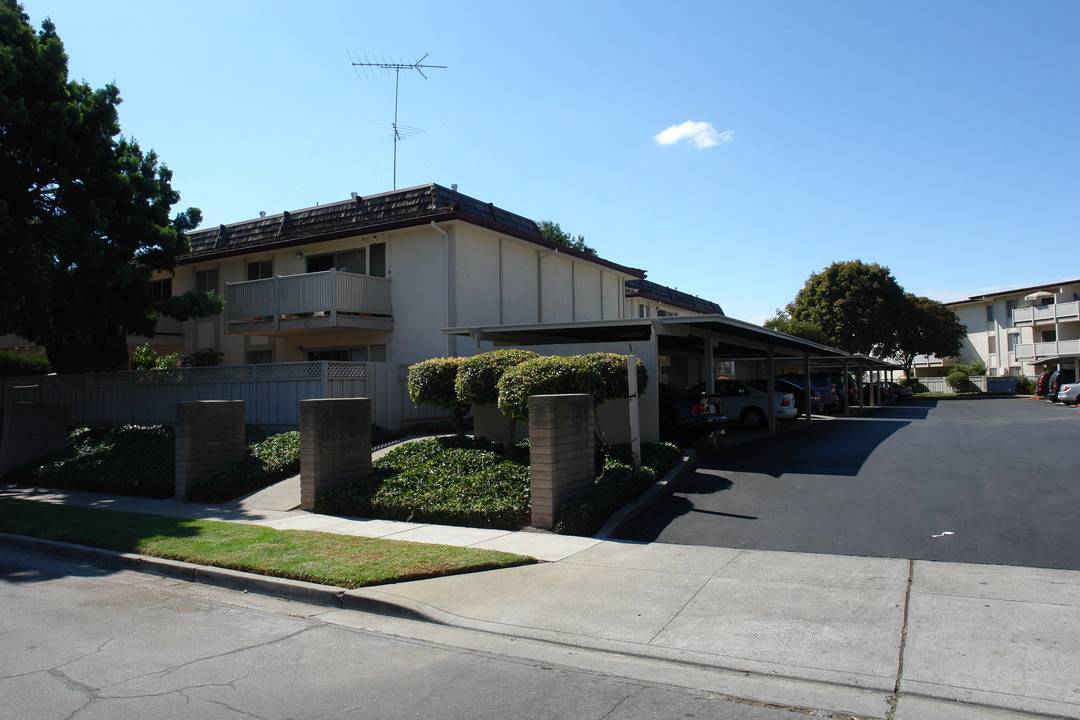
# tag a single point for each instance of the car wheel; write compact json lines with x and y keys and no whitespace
{"x":753,"y":418}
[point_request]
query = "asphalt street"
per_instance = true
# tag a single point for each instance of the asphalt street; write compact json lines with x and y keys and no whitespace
{"x":984,"y":481}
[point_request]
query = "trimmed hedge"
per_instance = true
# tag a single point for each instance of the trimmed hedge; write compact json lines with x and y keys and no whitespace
{"x":431,"y":382}
{"x":602,"y":375}
{"x":477,"y":380}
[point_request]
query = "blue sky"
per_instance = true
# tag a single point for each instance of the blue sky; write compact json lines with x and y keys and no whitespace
{"x":728,"y":148}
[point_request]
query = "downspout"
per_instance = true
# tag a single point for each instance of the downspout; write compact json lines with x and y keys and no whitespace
{"x":446,"y":283}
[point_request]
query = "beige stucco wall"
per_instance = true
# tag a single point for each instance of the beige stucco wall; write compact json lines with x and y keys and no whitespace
{"x":491,"y":279}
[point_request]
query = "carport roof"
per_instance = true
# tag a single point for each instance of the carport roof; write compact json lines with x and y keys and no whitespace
{"x":733,"y":339}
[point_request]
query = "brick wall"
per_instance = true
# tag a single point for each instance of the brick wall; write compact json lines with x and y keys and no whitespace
{"x":209,"y":436}
{"x":31,"y":431}
{"x":335,"y":445}
{"x":561,"y":452}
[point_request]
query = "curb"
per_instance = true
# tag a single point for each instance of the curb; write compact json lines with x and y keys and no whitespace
{"x":662,"y":488}
{"x":236,"y":580}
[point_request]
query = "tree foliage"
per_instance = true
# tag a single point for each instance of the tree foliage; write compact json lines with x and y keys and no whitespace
{"x":84,"y":212}
{"x":552,"y":232}
{"x":477,"y":380}
{"x":782,"y":322}
{"x":855,"y":304}
{"x":925,"y":327}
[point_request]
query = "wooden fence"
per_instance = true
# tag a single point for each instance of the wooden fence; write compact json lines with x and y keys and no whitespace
{"x":985,"y":383}
{"x":271,"y":392}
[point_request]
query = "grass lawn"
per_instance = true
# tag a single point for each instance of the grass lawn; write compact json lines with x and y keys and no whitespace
{"x":341,"y":560}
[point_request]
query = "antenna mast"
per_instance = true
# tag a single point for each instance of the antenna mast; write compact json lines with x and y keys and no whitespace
{"x":419,"y":67}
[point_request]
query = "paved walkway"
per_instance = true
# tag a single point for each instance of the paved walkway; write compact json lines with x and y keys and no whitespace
{"x":869,"y":637}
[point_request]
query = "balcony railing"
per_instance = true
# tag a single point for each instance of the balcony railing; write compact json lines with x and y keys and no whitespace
{"x":322,"y":299}
{"x":1035,"y":351}
{"x":1047,"y":314}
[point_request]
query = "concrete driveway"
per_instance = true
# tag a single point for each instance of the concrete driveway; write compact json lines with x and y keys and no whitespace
{"x":985,"y":481}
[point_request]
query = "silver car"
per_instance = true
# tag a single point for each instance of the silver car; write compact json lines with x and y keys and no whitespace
{"x":1068,"y":393}
{"x":747,"y":401}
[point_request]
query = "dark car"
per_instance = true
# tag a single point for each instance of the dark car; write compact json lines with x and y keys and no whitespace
{"x":687,"y":416}
{"x":798,"y":390}
{"x":1059,"y":378}
{"x":825,"y":387}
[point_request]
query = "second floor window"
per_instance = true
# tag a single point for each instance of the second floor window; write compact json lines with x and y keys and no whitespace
{"x":206,"y":280}
{"x":260,"y":269}
{"x":161,"y":289}
{"x":370,"y":260}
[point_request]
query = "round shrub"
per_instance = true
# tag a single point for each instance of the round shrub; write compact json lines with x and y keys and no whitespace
{"x":544,"y":375}
{"x":477,"y":380}
{"x":608,"y":372}
{"x":957,"y":380}
{"x":431,"y":382}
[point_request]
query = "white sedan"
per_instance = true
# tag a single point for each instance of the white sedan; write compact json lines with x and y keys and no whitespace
{"x":747,"y":400}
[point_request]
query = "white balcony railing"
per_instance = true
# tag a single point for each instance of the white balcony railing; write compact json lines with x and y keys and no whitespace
{"x":326,"y":293}
{"x":1047,"y":314}
{"x":1035,"y":351}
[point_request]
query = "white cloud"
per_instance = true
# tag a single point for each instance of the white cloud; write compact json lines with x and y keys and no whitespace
{"x":701,"y":134}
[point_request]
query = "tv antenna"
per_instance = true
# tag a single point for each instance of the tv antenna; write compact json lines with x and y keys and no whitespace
{"x":399,"y":130}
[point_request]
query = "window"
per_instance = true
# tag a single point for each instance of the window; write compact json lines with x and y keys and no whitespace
{"x":1049,"y":335}
{"x":160,"y":289}
{"x":258,"y":357}
{"x":260,"y":269}
{"x":206,"y":280}
{"x":992,"y":344}
{"x":643,"y":311}
{"x":665,"y":313}
{"x":370,"y":260}
{"x":990,"y":313}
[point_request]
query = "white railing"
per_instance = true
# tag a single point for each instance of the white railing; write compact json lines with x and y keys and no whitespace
{"x":1033,"y":351}
{"x":329,"y":291}
{"x":1045,"y":314}
{"x":271,"y":392}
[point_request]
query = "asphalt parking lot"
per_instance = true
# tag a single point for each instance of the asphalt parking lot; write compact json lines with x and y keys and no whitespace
{"x":985,"y":481}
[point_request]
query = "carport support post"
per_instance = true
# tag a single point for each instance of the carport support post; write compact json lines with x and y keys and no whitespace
{"x":844,"y":391}
{"x":806,"y":374}
{"x":770,"y":383}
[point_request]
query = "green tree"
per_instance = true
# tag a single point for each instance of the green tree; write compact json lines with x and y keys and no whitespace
{"x":782,"y":322}
{"x":855,"y":304}
{"x":84,"y":212}
{"x":552,"y":232}
{"x":926,"y":327}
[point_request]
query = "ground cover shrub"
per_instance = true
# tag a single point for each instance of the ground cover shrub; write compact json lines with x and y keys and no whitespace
{"x":616,"y":486}
{"x":125,"y":459}
{"x":447,"y":480}
{"x":270,"y":458}
{"x":472,"y":482}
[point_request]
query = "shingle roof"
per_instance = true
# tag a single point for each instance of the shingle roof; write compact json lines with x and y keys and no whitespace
{"x":671,"y":296}
{"x":364,"y":215}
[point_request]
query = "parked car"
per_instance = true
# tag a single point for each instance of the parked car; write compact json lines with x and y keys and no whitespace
{"x":1059,"y":378}
{"x":687,"y":416}
{"x":748,"y":400}
{"x":888,"y":392}
{"x":1042,"y":385}
{"x":1069,"y":393}
{"x":822,"y":384}
{"x":787,"y":386}
{"x":902,"y":391}
{"x":852,"y":387}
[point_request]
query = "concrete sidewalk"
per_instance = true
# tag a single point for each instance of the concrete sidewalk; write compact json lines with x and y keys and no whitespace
{"x":862,"y":637}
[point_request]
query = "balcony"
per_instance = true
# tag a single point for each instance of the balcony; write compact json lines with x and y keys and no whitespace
{"x":312,"y":302}
{"x":167,"y":331}
{"x":1046,"y":314}
{"x":933,"y":361}
{"x":1037,"y":351}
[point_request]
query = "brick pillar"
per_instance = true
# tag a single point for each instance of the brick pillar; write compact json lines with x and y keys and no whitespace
{"x":335,"y":445}
{"x":31,"y":431}
{"x":209,"y":436}
{"x":561,"y":460}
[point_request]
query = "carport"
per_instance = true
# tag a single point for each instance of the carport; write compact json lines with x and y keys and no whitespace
{"x":700,"y":339}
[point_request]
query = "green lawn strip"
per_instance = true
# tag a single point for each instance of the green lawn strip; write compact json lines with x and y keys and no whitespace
{"x":341,"y":560}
